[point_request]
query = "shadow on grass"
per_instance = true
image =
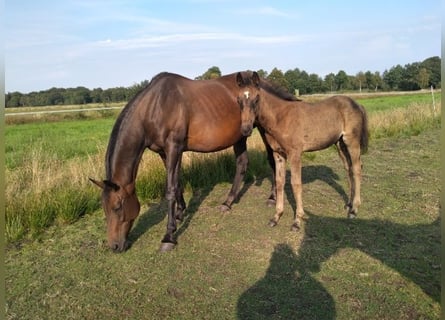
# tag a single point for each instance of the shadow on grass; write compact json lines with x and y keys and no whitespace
{"x":288,"y":291}
{"x":216,"y":170}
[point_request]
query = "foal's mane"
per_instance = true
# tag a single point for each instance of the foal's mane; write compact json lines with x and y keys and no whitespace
{"x":277,"y":90}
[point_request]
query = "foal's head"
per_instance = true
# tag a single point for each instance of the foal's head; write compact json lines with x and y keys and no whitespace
{"x":248,"y":98}
{"x":121,"y":208}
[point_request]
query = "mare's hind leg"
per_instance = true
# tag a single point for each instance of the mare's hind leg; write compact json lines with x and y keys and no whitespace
{"x":352,"y":146}
{"x":242,"y":160}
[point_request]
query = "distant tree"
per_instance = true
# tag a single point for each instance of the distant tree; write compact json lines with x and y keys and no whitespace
{"x":262,"y":73}
{"x":54,"y":96}
{"x":96,"y":95}
{"x":329,"y":82}
{"x":393,"y":77}
{"x":360,"y":80}
{"x":433,"y":65}
{"x":12,"y":100}
{"x":377,"y":81}
{"x":423,"y":78}
{"x":315,"y":84}
{"x":341,"y":80}
{"x":292,"y":78}
{"x":276,"y":76}
{"x":211,"y":73}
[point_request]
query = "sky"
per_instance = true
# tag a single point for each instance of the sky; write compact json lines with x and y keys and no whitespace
{"x":111,"y":43}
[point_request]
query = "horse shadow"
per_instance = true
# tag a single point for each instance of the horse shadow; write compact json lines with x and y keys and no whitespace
{"x":157,"y":211}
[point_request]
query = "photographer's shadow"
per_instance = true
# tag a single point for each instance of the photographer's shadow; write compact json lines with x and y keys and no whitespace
{"x":287,"y":291}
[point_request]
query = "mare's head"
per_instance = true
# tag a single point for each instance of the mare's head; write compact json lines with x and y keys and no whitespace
{"x":121,"y":208}
{"x":248,"y":98}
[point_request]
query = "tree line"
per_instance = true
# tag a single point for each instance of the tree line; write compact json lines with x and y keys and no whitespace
{"x":413,"y":76}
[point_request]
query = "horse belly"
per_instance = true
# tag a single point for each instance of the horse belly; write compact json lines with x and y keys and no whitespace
{"x":320,"y":138}
{"x":212,"y":139}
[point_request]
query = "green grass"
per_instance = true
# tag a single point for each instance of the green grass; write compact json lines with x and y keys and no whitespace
{"x":383,"y":265}
{"x":62,"y":140}
{"x":385,"y":103}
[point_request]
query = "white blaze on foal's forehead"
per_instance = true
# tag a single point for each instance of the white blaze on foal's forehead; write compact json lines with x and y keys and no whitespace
{"x":246,"y":94}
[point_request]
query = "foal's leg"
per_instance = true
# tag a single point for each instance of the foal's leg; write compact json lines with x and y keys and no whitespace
{"x":280,"y":179}
{"x":357,"y":176}
{"x":173,"y":164}
{"x":346,"y":159}
{"x":242,"y":160}
{"x":297,"y":188}
{"x":270,"y":158}
{"x":355,"y":171}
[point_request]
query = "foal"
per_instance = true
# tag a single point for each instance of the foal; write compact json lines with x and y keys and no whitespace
{"x":292,"y":128}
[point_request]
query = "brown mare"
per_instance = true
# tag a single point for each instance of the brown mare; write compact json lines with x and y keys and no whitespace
{"x":292,"y":128}
{"x":171,"y":115}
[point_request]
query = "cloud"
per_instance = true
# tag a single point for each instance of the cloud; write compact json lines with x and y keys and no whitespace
{"x":265,"y":11}
{"x":178,"y":38}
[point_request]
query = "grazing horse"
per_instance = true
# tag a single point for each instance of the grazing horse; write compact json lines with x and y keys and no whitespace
{"x":292,"y":128}
{"x":171,"y":115}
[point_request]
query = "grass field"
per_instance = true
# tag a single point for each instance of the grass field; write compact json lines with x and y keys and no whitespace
{"x":383,"y":265}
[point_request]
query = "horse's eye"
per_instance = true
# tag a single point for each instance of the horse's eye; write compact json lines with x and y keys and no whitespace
{"x":118,"y":207}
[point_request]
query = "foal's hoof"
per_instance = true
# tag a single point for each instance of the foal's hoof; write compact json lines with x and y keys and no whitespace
{"x":167,"y":246}
{"x":352,"y":215}
{"x":225,"y":208}
{"x":295,"y":227}
{"x":271,"y":202}
{"x":272,"y":223}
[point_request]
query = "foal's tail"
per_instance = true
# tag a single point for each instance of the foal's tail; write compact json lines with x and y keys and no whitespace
{"x":364,"y":135}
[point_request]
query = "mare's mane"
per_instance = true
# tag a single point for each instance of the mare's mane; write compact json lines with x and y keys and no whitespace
{"x":126,"y":111}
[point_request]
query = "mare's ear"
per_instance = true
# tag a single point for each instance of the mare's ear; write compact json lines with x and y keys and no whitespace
{"x":100,"y":184}
{"x":105,"y":183}
{"x":256,"y":79}
{"x":111,"y":185}
{"x":240,"y":80}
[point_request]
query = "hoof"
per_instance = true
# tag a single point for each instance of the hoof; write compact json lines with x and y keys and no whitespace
{"x":352,"y":215}
{"x":295,"y":227}
{"x":271,"y":202}
{"x":272,"y":223}
{"x":167,"y":246}
{"x":224,"y":208}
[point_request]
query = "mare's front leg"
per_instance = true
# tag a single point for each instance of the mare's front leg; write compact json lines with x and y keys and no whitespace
{"x":173,"y":165}
{"x":180,"y":202}
{"x":242,"y":160}
{"x":280,"y":180}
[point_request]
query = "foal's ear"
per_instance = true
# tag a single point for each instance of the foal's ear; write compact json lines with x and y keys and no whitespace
{"x":256,"y":79}
{"x":240,"y":80}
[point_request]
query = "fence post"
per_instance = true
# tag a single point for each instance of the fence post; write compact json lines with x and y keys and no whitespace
{"x":434,"y":102}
